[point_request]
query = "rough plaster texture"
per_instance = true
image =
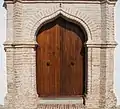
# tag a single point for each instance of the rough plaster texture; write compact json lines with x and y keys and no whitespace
{"x":25,"y":18}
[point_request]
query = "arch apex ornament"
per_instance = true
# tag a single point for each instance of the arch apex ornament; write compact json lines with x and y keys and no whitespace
{"x":74,"y":15}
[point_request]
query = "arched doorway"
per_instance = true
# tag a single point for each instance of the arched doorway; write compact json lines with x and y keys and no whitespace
{"x":60,"y":59}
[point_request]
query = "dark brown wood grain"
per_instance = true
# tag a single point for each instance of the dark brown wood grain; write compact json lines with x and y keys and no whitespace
{"x":60,"y":59}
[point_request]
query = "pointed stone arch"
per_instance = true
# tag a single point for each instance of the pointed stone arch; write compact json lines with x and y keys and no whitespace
{"x":43,"y":16}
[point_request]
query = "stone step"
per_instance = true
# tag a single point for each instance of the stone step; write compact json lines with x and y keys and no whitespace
{"x":61,"y":106}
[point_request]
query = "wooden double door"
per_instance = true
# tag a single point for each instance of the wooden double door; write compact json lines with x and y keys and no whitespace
{"x":60,"y":59}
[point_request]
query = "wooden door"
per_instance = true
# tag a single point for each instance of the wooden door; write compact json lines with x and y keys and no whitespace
{"x":60,"y":59}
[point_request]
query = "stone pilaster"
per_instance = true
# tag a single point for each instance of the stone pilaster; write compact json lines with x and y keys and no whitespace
{"x":11,"y":88}
{"x":18,"y":21}
{"x":108,"y":99}
{"x":110,"y":95}
{"x":25,"y":71}
{"x":93,"y":77}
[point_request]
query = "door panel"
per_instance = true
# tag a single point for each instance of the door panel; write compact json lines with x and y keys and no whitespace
{"x":60,"y":59}
{"x":71,"y":60}
{"x":48,"y":61}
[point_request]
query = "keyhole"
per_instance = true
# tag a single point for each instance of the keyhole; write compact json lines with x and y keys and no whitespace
{"x":72,"y":63}
{"x":48,"y":63}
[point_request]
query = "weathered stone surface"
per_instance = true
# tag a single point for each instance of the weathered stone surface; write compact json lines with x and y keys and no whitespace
{"x":24,"y":19}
